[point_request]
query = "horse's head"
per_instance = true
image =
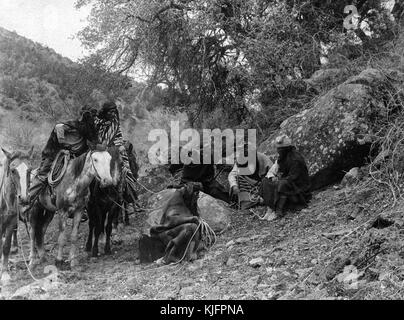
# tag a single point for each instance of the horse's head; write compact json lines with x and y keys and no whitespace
{"x":101,"y":161}
{"x":107,"y":164}
{"x":18,"y":170}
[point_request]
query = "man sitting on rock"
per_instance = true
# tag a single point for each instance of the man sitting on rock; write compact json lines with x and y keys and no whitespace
{"x":242,"y":186}
{"x":287,"y":182}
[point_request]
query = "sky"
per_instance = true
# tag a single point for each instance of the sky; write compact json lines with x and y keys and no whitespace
{"x":52,"y":23}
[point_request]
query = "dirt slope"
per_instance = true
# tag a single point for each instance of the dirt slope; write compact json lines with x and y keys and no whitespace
{"x":300,"y":257}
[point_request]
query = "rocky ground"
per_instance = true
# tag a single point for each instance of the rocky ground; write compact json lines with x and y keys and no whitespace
{"x":341,"y":247}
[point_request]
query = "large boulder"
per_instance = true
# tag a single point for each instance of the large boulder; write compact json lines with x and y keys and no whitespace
{"x":336,"y":133}
{"x":215,"y":212}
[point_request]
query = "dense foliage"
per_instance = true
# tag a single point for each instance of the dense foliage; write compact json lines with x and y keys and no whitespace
{"x":241,"y":60}
{"x":36,"y":82}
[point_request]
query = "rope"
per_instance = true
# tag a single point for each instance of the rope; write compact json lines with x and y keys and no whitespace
{"x":21,"y":246}
{"x":207,"y":233}
{"x":144,"y":187}
{"x":54,"y":182}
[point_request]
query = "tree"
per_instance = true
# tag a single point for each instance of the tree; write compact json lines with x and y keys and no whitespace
{"x":212,"y":54}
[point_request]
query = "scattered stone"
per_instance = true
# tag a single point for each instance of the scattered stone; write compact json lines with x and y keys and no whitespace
{"x":351,"y":177}
{"x":256,"y":263}
{"x":231,"y":262}
{"x":335,"y":234}
{"x":230,"y":243}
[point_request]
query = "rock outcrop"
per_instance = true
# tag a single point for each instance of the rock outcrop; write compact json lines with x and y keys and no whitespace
{"x":337,"y":132}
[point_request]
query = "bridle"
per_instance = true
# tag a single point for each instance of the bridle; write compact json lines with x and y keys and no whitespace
{"x":12,"y":179}
{"x":15,"y":186}
{"x":97,"y":175}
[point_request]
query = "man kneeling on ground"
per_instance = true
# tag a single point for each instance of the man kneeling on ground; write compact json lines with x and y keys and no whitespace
{"x":242,"y":186}
{"x":287,"y":183}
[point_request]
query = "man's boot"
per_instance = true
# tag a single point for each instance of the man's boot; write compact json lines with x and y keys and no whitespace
{"x":280,"y":207}
{"x":38,"y":184}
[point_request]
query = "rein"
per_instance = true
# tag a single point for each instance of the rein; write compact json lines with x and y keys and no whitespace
{"x":97,"y":175}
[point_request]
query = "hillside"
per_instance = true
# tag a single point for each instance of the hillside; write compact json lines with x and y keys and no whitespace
{"x":36,"y":82}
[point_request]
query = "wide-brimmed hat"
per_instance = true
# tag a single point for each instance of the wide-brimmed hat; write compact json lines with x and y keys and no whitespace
{"x":283,"y":141}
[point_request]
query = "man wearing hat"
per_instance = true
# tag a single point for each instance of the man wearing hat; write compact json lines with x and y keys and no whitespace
{"x":287,"y":182}
{"x":245,"y":178}
{"x":110,"y":133}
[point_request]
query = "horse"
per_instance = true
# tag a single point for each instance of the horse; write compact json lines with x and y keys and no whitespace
{"x":104,"y":205}
{"x":70,"y":199}
{"x":13,"y":190}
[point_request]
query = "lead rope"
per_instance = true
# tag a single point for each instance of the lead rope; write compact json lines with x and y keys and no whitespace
{"x":20,"y":243}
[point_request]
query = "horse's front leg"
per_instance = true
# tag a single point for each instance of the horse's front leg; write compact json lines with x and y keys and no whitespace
{"x":114,"y":211}
{"x":34,"y":222}
{"x":33,"y":255}
{"x":73,"y":256}
{"x":126,"y":210}
{"x":14,"y":246}
{"x":5,"y":277}
{"x":40,"y":240}
{"x":63,"y":215}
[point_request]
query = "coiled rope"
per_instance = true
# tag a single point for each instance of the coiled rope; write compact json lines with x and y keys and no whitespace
{"x":55,"y":181}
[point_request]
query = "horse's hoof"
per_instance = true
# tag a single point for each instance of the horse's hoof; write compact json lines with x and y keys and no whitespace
{"x":88,"y":249}
{"x":94,"y":254}
{"x":14,"y":250}
{"x":59,"y":264}
{"x":108,"y":251}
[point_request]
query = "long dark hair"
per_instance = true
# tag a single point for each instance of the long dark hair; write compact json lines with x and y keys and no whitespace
{"x":109,"y":110}
{"x":87,"y":128}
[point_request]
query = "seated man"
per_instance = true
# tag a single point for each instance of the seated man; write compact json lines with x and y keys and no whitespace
{"x":205,"y":174}
{"x":287,"y":182}
{"x":70,"y":135}
{"x":242,"y":185}
{"x":176,"y":237}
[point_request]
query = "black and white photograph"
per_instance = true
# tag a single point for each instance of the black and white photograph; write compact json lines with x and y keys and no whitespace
{"x":201,"y":153}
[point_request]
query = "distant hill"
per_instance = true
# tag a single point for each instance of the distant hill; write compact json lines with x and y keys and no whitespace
{"x":38,"y":83}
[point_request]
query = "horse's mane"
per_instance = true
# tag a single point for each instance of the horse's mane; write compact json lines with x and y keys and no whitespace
{"x":78,"y":165}
{"x":115,"y":155}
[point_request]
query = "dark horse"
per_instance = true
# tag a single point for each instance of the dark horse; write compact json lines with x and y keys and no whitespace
{"x":103,"y":206}
{"x":72,"y":195}
{"x":13,"y":189}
